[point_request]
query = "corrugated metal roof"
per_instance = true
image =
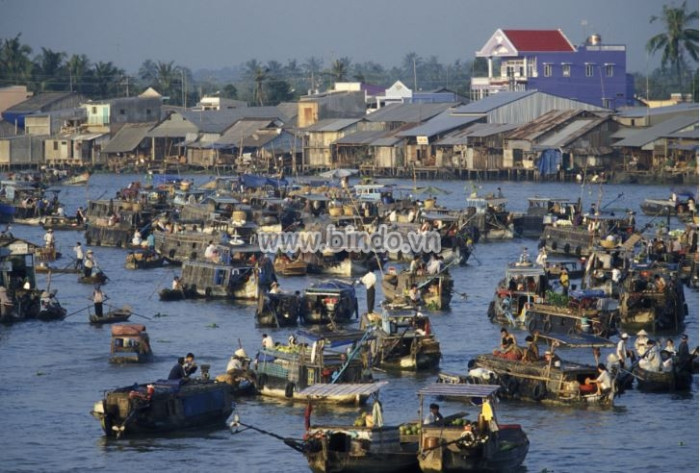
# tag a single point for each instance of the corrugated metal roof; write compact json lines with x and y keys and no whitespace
{"x":344,"y":389}
{"x":241,"y":130}
{"x":39,"y":101}
{"x":459,"y":390}
{"x":687,"y":134}
{"x":333,"y":124}
{"x":567,"y":134}
{"x":639,"y":112}
{"x":477,"y":130}
{"x":392,"y":140}
{"x":492,"y":102}
{"x":128,"y":138}
{"x":409,"y":112}
{"x":360,"y":138}
{"x":217,"y":121}
{"x":440,"y":124}
{"x":648,"y":135}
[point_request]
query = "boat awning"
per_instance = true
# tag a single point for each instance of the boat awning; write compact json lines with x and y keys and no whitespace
{"x":628,"y":245}
{"x":334,"y":338}
{"x":345,"y":389}
{"x":579,"y":340}
{"x":459,"y":390}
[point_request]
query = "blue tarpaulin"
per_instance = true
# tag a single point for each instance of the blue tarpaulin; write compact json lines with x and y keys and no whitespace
{"x":550,"y":162}
{"x":251,"y":180}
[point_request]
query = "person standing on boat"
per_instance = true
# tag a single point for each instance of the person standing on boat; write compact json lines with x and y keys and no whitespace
{"x":79,"y":216}
{"x":267,"y":341}
{"x":49,"y":239}
{"x":98,"y":298}
{"x":189,"y":367}
{"x":151,"y":241}
{"x":621,"y":350}
{"x":542,"y":257}
{"x":88,"y":264}
{"x":683,"y":355}
{"x":177,"y":285}
{"x":640,"y":343}
{"x":564,"y":281}
{"x":369,"y":280}
{"x":78,"y":256}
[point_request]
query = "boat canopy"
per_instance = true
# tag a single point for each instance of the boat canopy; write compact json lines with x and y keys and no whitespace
{"x":332,"y":338}
{"x":344,"y":389}
{"x":253,"y":180}
{"x":460,"y":390}
{"x":577,"y":340}
{"x":331,"y":287}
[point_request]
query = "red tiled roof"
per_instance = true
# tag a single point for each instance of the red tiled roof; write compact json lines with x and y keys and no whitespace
{"x":539,"y":40}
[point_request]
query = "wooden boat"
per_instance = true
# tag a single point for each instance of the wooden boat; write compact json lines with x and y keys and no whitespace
{"x":667,"y":207}
{"x":523,"y":285}
{"x":435,"y":289}
{"x":143,"y":259}
{"x":279,"y":310}
{"x":213,"y":280}
{"x":581,"y":316}
{"x":329,"y":301}
{"x":77,"y":180}
{"x":112,"y":317}
{"x":163,"y":406}
{"x":50,"y":307}
{"x":176,"y":294}
{"x":542,"y":211}
{"x":539,"y":381}
{"x":286,"y":371}
{"x":403,"y":340}
{"x":454,"y":444}
{"x":112,"y":222}
{"x":43,"y":268}
{"x":130,"y":344}
{"x":358,"y":449}
{"x":580,"y":240}
{"x":642,"y":306}
{"x":94,"y":278}
{"x":241,"y":381}
{"x":575,"y":269}
{"x":46,"y":254}
{"x":678,"y":378}
{"x":57,"y":223}
{"x":287,"y":267}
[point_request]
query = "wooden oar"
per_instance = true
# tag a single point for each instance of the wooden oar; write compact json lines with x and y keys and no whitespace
{"x":73,"y":313}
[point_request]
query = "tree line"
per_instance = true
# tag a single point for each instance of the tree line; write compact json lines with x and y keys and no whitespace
{"x":271,"y":82}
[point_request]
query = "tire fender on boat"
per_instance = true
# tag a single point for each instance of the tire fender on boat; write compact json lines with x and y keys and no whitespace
{"x":547,"y":327}
{"x":207,"y":292}
{"x":532,"y":325}
{"x":578,"y":251}
{"x":289,"y":390}
{"x":554,"y":246}
{"x":262,"y":380}
{"x":171,"y":254}
{"x":539,"y":390}
{"x":567,"y":248}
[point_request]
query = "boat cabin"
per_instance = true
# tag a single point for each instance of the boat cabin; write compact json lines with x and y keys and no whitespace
{"x":130,"y":344}
{"x":374,"y":193}
{"x":330,"y":301}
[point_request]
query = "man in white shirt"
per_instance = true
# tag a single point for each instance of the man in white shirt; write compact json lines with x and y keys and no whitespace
{"x":603,"y":381}
{"x":267,"y":341}
{"x":78,"y":256}
{"x":369,"y":280}
{"x":209,"y":251}
{"x":621,"y":350}
{"x":49,"y":239}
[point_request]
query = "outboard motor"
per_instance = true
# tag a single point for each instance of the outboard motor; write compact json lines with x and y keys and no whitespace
{"x":205,"y":371}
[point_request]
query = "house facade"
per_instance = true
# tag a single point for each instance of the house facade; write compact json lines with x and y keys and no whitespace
{"x":547,"y":61}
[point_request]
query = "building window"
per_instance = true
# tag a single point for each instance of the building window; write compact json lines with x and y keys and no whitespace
{"x":609,"y":68}
{"x":94,"y":109}
{"x":589,"y":70}
{"x":55,"y":145}
{"x":548,"y":70}
{"x":122,"y":111}
{"x":566,"y":70}
{"x":148,"y":111}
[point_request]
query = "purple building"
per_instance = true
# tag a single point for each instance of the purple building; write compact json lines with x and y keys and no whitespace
{"x":547,"y":61}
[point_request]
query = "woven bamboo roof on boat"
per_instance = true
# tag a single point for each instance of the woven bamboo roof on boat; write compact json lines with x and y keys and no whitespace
{"x":344,"y":389}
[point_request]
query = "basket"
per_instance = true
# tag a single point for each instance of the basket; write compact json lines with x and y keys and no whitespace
{"x":429,"y":204}
{"x":238,"y":216}
{"x":335,"y":211}
{"x":607,"y":244}
{"x":348,"y":210}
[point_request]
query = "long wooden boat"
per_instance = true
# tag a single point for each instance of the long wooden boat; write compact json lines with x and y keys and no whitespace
{"x":662,"y":381}
{"x":94,"y":278}
{"x":548,"y":318}
{"x":404,"y":340}
{"x":454,"y":444}
{"x":51,"y":310}
{"x":580,"y":240}
{"x":112,"y":317}
{"x":542,"y":381}
{"x":176,"y":294}
{"x":46,"y":254}
{"x":143,"y":259}
{"x":214,"y":280}
{"x":130,"y":344}
{"x":287,"y":267}
{"x":359,"y":449}
{"x":45,"y":269}
{"x":163,"y":406}
{"x":524,"y":284}
{"x":77,"y":180}
{"x":57,"y":223}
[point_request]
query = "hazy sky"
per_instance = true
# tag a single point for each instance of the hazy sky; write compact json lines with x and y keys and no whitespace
{"x":218,"y":33}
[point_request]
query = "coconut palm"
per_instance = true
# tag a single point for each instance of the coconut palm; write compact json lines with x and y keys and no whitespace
{"x":78,"y":66}
{"x":48,"y":69}
{"x":679,"y":39}
{"x":340,"y":68}
{"x":15,"y":64}
{"x":105,"y":79}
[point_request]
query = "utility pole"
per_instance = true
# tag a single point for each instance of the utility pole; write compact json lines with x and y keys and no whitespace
{"x":415,"y":78}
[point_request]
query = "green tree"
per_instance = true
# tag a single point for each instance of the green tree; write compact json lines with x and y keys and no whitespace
{"x":104,"y":79}
{"x":229,"y":91}
{"x":339,"y":69}
{"x":312,"y":70}
{"x":78,"y":66}
{"x":678,"y":39}
{"x":50,"y":71}
{"x":15,"y":64}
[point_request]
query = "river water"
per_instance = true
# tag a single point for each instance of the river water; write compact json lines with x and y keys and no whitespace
{"x":54,"y":372}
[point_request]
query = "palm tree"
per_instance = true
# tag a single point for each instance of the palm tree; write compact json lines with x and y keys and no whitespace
{"x":49,"y":68}
{"x":312,"y":69}
{"x":340,"y":68}
{"x":78,"y":65}
{"x":678,"y":39}
{"x":15,"y":65}
{"x":105,"y":79}
{"x":257,"y":73}
{"x":166,"y":80}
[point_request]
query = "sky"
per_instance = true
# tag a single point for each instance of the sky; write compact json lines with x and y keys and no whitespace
{"x":214,"y":34}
